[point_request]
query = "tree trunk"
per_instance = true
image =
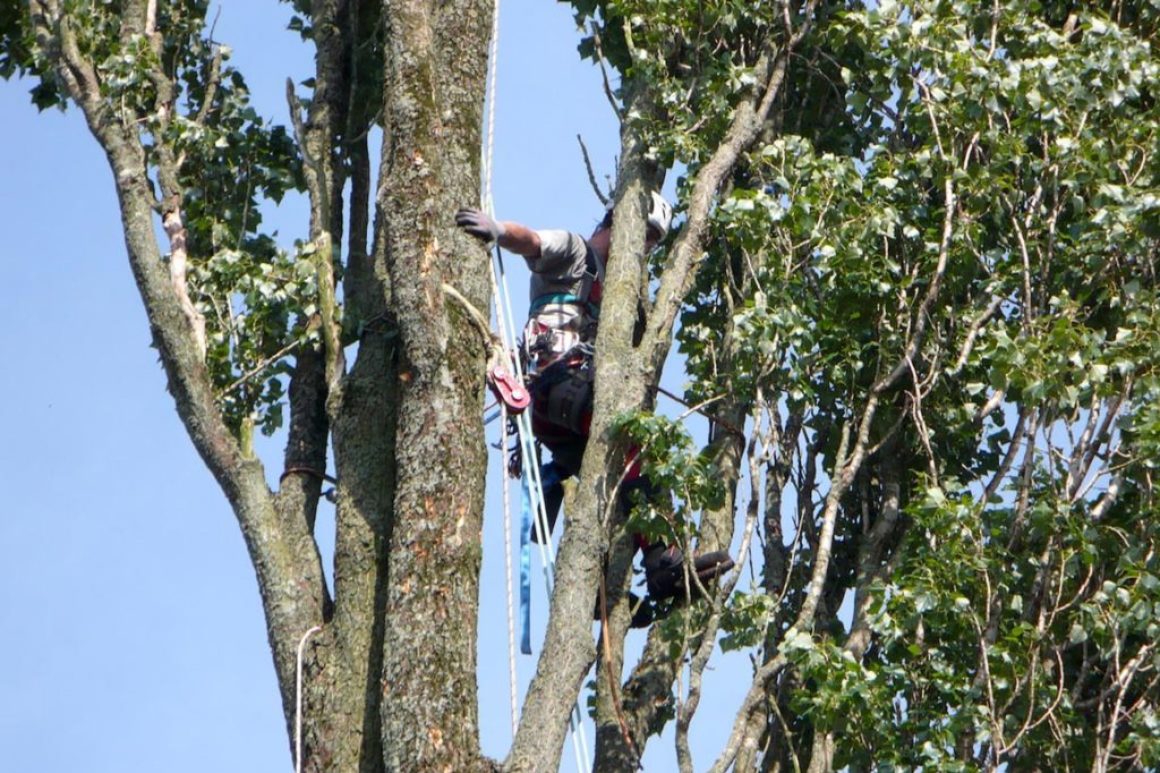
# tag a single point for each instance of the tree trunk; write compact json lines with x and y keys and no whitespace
{"x":390,"y":678}
{"x":434,"y":85}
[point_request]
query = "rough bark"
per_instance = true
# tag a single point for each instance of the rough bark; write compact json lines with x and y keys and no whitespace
{"x":279,"y":542}
{"x":407,"y":509}
{"x":435,"y":63}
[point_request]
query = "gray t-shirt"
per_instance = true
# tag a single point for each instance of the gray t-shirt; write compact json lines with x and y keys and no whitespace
{"x":563,"y":305}
{"x":565,"y":270}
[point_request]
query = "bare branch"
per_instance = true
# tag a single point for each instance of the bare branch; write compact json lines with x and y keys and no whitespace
{"x":973,"y":332}
{"x":847,"y":461}
{"x":600,"y":60}
{"x":708,"y":638}
{"x":54,"y":31}
{"x":920,"y":423}
{"x":993,"y":402}
{"x":1108,"y":498}
{"x":755,"y":694}
{"x":174,"y":226}
{"x":213,"y":80}
{"x":267,"y":362}
{"x":1027,"y":295}
{"x":168,"y":175}
{"x":151,"y":18}
{"x":591,"y":173}
{"x":917,"y":335}
{"x":613,"y":687}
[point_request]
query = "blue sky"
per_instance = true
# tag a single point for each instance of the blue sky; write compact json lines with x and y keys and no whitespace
{"x":132,"y":636}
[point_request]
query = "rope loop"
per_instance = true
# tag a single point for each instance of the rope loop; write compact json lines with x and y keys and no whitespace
{"x":298,"y":701}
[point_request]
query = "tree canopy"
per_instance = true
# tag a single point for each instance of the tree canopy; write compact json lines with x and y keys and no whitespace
{"x":913,"y":287}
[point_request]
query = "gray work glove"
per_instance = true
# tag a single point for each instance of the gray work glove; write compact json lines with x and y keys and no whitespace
{"x":478,"y":224}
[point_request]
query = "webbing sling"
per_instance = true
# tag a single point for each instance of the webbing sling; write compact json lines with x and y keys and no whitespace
{"x":549,"y":476}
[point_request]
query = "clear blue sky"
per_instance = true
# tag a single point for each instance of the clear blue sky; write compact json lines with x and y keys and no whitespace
{"x":131,"y":634}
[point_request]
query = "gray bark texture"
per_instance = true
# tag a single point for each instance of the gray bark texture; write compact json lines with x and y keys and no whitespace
{"x":390,"y":678}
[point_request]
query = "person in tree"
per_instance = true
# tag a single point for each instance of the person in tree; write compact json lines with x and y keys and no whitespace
{"x":565,"y":294}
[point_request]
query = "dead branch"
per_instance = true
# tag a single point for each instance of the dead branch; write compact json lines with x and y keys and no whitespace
{"x":591,"y":173}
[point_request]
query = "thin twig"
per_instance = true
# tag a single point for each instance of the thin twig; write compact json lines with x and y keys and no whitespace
{"x":211,"y":86}
{"x":261,"y":366}
{"x":613,"y":687}
{"x":699,"y":408}
{"x":591,"y":173}
{"x":973,"y":333}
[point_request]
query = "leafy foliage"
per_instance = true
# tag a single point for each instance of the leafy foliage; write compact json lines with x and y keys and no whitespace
{"x":664,"y":451}
{"x":194,"y":115}
{"x":946,"y":278}
{"x":695,"y":59}
{"x":930,"y":285}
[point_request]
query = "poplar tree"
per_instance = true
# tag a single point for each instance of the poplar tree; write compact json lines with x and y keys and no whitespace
{"x":912,"y":285}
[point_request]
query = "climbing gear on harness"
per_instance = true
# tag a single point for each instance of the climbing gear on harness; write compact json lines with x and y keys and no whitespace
{"x":508,"y":389}
{"x":515,"y":459}
{"x":553,"y":330}
{"x":664,"y":571}
{"x":563,"y":391}
{"x":559,"y":321}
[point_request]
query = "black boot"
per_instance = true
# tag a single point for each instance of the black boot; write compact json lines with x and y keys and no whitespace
{"x":642,"y":611}
{"x":553,"y":498}
{"x":664,"y":571}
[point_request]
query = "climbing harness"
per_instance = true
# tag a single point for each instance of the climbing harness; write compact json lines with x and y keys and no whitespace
{"x":564,"y":389}
{"x":553,"y":330}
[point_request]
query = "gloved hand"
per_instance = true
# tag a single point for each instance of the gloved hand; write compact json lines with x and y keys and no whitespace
{"x":479,"y":225}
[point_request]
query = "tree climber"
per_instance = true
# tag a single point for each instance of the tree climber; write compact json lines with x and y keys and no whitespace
{"x":566,"y":288}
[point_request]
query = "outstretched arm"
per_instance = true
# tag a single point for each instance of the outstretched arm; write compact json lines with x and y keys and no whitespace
{"x":520,"y":239}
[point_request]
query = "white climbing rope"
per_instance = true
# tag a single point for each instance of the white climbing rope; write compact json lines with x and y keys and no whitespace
{"x":507,"y":549}
{"x":298,"y":701}
{"x":492,"y":70}
{"x":489,"y":207}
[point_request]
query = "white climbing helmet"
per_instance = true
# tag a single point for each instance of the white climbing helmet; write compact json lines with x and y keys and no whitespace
{"x":660,"y":214}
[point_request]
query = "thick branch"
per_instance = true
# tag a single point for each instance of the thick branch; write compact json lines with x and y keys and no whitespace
{"x":684,"y":257}
{"x":283,"y":554}
{"x":568,"y":648}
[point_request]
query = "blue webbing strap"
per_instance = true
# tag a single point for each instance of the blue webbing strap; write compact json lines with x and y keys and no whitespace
{"x":526,"y":565}
{"x":549,"y":476}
